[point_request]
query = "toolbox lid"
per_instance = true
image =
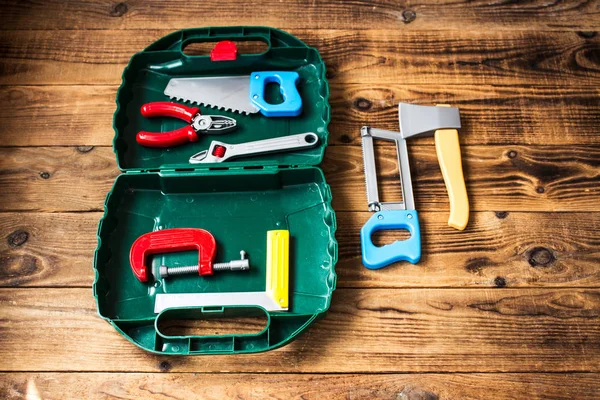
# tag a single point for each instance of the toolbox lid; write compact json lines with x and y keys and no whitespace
{"x":149,"y":72}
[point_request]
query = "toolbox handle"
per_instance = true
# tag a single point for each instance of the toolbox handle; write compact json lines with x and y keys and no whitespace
{"x":210,"y":344}
{"x":274,"y":38}
{"x":375,"y":257}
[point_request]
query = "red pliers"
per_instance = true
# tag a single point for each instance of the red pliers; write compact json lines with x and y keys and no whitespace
{"x":198,"y":124}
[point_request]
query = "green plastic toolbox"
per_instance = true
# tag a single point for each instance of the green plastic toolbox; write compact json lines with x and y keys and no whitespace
{"x":237,"y":201}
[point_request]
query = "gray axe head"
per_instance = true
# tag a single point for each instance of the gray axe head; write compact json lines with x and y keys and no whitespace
{"x":418,"y":120}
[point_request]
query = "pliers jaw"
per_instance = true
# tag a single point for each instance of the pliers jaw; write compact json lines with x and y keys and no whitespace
{"x":213,"y":124}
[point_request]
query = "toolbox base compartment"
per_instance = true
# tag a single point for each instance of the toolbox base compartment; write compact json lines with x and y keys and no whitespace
{"x":238,"y":207}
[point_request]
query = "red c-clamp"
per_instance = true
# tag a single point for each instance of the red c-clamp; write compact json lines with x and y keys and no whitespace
{"x":170,"y":241}
{"x":179,"y":239}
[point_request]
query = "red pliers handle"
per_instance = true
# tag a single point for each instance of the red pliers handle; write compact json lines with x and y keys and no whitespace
{"x":172,"y":138}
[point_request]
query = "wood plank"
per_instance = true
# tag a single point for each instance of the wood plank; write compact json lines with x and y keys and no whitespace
{"x":385,"y":14}
{"x":384,"y":57}
{"x":497,"y":249}
{"x":41,"y":249}
{"x":76,"y":115}
{"x":499,"y":178}
{"x":69,"y":178}
{"x":57,"y":115}
{"x":301,"y":386}
{"x":374,"y":330}
{"x":489,"y":114}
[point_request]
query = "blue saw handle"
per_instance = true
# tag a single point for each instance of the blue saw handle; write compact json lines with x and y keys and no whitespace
{"x":292,"y":102}
{"x":401,"y":250}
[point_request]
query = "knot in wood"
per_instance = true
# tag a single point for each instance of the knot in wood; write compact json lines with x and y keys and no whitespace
{"x":17,"y":238}
{"x":408,"y":16}
{"x":415,"y":393}
{"x":118,"y":10}
{"x":541,"y":257}
{"x":331,"y":71}
{"x":85,"y":149}
{"x":500,"y":282}
{"x":165,"y":366}
{"x":345,"y":139}
{"x":362,"y":104}
{"x":587,"y":34}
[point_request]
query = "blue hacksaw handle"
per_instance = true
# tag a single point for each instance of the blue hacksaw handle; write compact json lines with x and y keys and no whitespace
{"x":401,"y":250}
{"x":292,"y":102}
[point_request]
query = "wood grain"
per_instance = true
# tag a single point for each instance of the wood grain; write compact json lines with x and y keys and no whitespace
{"x":505,"y":115}
{"x":499,"y":178}
{"x":374,"y":330}
{"x":385,"y":14}
{"x":57,"y":115}
{"x":499,"y":249}
{"x":41,"y":249}
{"x":76,"y":115}
{"x":511,"y":178}
{"x":508,"y":308}
{"x":183,"y":386}
{"x":69,"y":178}
{"x":560,"y":59}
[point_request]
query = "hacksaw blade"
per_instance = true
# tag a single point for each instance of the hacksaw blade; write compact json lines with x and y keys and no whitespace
{"x":229,"y":93}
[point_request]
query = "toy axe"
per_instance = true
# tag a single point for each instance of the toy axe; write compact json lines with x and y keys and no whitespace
{"x":442,"y":122}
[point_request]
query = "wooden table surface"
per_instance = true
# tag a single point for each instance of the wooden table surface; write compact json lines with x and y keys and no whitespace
{"x":509,"y":308}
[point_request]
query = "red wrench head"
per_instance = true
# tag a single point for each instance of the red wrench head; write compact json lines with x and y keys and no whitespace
{"x":170,"y":241}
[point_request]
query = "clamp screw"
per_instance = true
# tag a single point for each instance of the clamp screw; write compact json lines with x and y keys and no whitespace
{"x":235,"y":265}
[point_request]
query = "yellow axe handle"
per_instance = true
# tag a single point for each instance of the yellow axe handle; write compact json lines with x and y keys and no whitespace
{"x":448,"y":154}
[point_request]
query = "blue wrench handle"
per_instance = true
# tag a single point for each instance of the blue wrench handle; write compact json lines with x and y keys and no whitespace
{"x":292,"y":102}
{"x":402,"y":250}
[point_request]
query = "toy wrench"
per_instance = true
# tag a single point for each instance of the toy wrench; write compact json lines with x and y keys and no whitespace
{"x":219,"y":151}
{"x":198,"y":124}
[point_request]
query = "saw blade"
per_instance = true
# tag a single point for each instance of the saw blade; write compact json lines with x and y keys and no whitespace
{"x":229,"y":93}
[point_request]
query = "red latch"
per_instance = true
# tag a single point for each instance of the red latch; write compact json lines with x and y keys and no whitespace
{"x":225,"y":50}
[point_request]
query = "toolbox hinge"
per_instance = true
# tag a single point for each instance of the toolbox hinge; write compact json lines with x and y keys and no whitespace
{"x":138,"y":171}
{"x":217,"y":167}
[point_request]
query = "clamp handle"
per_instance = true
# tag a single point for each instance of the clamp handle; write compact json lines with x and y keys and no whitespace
{"x":448,"y":153}
{"x":171,"y":138}
{"x":170,"y":241}
{"x":401,"y":250}
{"x":292,"y":102}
